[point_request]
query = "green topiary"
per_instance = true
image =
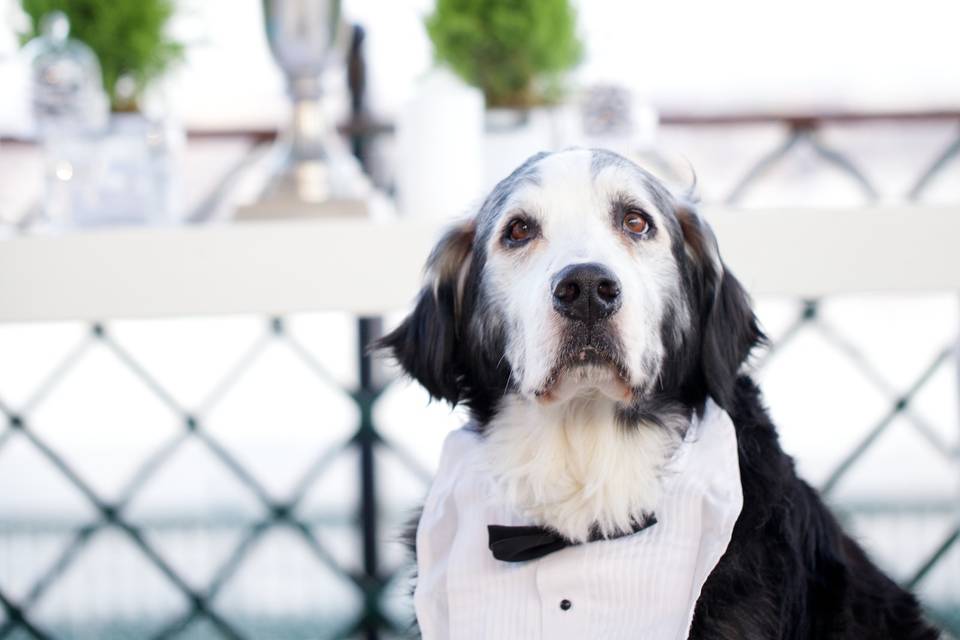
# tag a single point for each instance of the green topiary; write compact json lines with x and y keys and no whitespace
{"x":514,"y":50}
{"x":128,"y":36}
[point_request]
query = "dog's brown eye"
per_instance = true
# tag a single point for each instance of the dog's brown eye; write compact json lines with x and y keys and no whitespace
{"x":635,"y":223}
{"x":520,"y":230}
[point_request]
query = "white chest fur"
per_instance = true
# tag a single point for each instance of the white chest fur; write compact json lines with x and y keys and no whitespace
{"x":572,"y":467}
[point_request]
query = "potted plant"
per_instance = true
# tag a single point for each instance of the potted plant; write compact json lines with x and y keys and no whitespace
{"x":122,"y":173}
{"x":517,"y":53}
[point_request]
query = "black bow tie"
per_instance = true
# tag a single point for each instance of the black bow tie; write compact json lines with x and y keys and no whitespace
{"x":517,"y":544}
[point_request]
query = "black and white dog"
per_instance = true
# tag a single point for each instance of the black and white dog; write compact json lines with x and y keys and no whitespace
{"x":585,"y":291}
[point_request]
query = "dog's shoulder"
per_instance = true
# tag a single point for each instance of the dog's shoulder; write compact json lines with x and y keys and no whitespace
{"x":790,"y":571}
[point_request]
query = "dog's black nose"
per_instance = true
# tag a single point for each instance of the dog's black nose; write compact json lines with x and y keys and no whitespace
{"x":586,"y":292}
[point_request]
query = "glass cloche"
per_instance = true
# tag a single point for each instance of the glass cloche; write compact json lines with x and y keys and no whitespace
{"x":67,"y":86}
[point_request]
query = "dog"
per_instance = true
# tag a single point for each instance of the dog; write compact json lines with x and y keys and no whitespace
{"x":585,"y":319}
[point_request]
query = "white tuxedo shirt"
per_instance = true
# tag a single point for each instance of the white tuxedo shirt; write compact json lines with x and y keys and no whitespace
{"x":641,"y":586}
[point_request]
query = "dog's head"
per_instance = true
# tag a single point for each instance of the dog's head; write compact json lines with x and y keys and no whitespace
{"x":580,"y":274}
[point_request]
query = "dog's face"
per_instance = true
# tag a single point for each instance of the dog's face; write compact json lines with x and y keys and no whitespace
{"x":581,"y":274}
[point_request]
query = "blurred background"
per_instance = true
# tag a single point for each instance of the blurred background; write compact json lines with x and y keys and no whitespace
{"x":208,"y":209}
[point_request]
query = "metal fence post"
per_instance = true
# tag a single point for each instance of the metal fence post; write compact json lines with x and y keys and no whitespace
{"x":368,"y":330}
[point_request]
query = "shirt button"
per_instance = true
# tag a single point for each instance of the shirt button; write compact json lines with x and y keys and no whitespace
{"x":565,"y":604}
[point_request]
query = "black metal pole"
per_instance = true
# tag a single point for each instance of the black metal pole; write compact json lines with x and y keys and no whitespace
{"x":368,"y":330}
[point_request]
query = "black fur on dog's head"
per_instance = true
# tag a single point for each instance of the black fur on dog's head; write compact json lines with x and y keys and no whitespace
{"x":461,"y":340}
{"x":437,"y":345}
{"x":707,"y":361}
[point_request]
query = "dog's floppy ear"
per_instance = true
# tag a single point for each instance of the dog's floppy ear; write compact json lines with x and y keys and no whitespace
{"x":729,"y":329}
{"x":426,"y":343}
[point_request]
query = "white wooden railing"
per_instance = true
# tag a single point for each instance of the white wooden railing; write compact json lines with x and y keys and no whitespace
{"x":366,"y":267}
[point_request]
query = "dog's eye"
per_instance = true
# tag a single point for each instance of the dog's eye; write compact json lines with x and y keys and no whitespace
{"x":519,"y":230}
{"x":636,"y":223}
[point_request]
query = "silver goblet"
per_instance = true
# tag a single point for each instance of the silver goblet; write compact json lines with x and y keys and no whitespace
{"x":304,"y":36}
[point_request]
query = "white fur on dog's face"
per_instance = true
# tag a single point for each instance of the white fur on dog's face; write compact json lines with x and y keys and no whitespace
{"x":574,"y":203}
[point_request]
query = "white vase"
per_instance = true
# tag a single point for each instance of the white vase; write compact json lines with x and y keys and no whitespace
{"x":440,"y":148}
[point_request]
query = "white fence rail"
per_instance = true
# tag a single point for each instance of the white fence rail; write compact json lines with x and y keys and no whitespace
{"x":368,"y":268}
